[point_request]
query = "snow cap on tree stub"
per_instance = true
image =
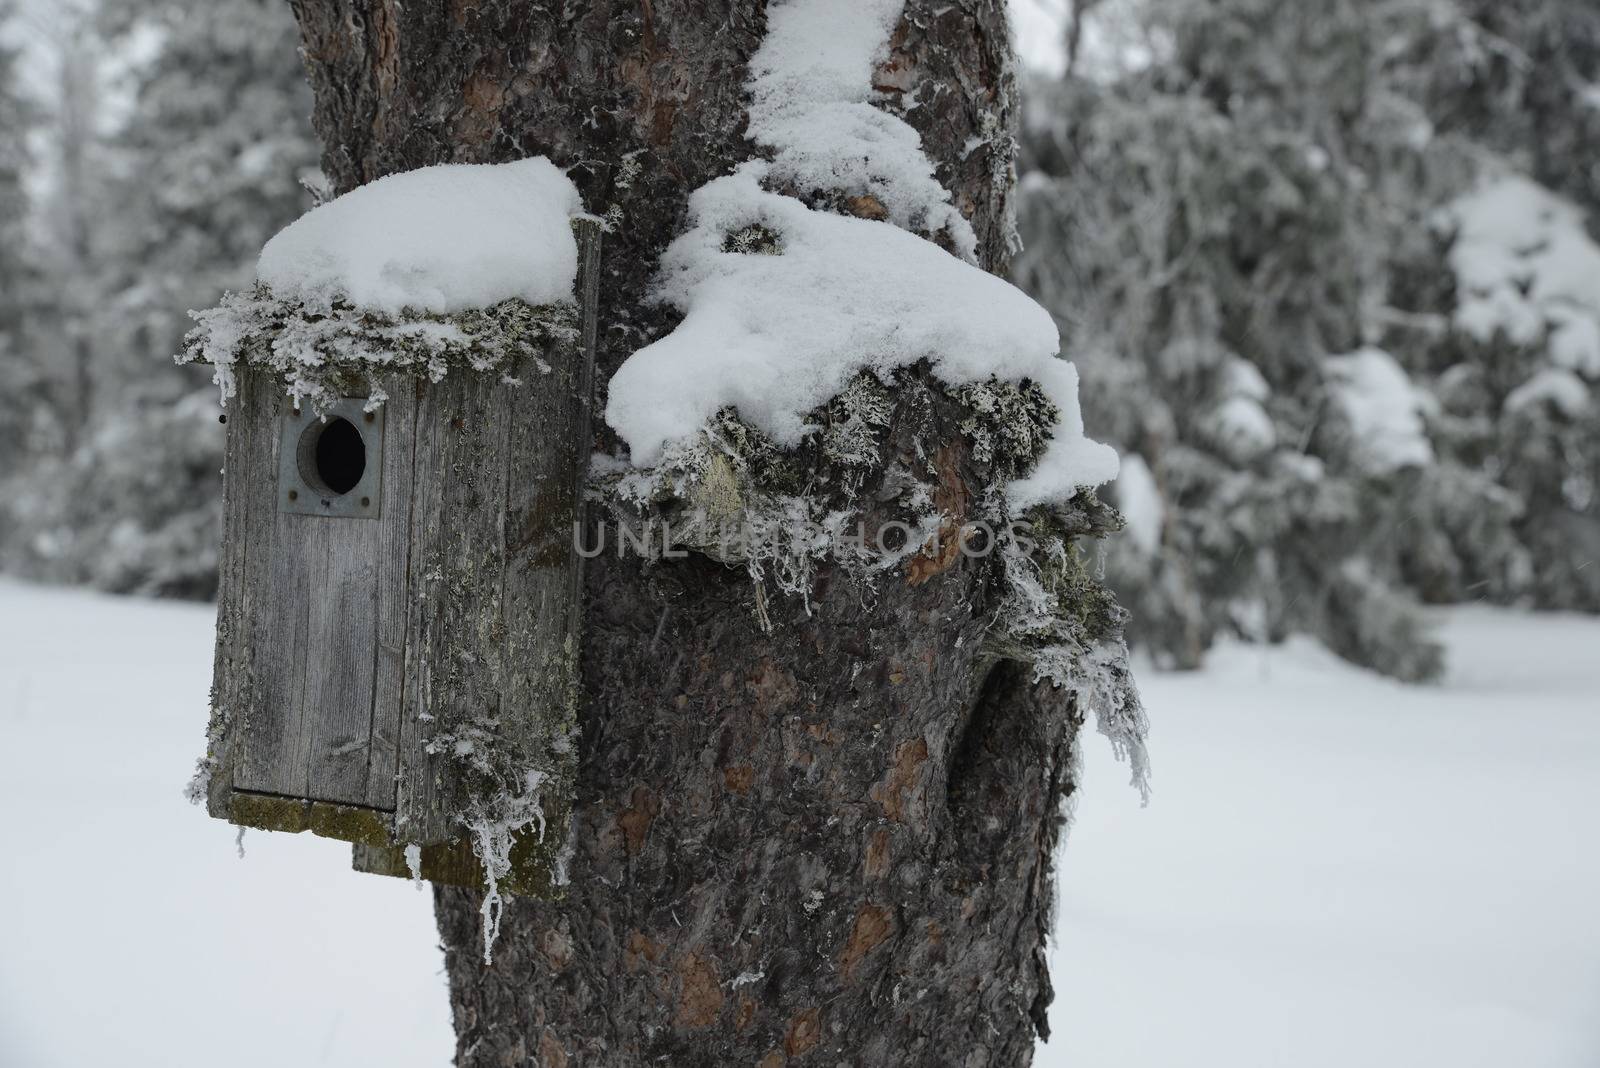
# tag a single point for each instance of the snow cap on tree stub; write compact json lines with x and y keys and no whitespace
{"x":776,"y":330}
{"x":799,"y":322}
{"x":788,"y":310}
{"x":784,"y":305}
{"x":398,"y":629}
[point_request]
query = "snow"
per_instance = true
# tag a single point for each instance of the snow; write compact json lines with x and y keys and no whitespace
{"x":1240,"y":423}
{"x":439,"y":239}
{"x":1383,"y":408}
{"x":138,"y":938}
{"x":1242,"y":426}
{"x":811,"y":102}
{"x":1335,"y":869}
{"x":1575,"y":344}
{"x":1559,"y":387}
{"x":775,"y":335}
{"x":1523,"y":260}
{"x":1139,"y":501}
{"x":1244,"y":379}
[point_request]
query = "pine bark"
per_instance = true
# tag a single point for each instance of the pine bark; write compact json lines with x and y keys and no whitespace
{"x":827,"y":844}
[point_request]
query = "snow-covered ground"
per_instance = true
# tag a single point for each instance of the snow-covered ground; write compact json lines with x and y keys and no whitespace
{"x":1339,"y":870}
{"x":130,"y":932}
{"x":1335,"y":870}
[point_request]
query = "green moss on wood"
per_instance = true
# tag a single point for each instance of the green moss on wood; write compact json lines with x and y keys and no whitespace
{"x":534,"y":863}
{"x":346,"y":823}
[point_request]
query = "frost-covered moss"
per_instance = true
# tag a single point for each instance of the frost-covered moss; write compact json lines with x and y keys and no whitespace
{"x":205,"y":769}
{"x":1060,"y":619}
{"x":322,"y":350}
{"x":1009,"y":424}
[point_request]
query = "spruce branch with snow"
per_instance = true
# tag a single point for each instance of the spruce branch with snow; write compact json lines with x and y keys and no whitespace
{"x":1340,"y":343}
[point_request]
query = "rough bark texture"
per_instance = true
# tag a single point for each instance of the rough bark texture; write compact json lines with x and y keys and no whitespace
{"x":828,"y":844}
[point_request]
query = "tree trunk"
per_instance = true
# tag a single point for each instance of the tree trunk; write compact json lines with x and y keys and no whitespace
{"x":829,"y":843}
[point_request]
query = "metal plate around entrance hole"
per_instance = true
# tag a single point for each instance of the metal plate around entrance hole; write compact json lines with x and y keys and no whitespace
{"x":305,"y":471}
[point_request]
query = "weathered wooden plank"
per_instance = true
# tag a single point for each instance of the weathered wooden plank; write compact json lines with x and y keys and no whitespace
{"x":455,"y":653}
{"x":454,"y":864}
{"x":546,"y":460}
{"x":249,"y":470}
{"x":312,"y":732}
{"x":472,"y":652}
{"x":419,"y":815}
{"x":275,"y":755}
{"x":341,"y":640}
{"x":393,"y":602}
{"x":230,"y":673}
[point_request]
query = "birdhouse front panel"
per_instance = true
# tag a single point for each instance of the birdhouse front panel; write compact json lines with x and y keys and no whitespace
{"x":318,"y":523}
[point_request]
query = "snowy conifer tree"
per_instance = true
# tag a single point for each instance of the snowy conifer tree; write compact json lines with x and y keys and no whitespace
{"x":19,"y":385}
{"x":1350,"y":363}
{"x":163,"y":212}
{"x":1520,"y":358}
{"x":1207,"y":226}
{"x":1512,"y":358}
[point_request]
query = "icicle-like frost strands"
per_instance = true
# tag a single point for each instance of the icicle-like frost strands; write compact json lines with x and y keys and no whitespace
{"x":1053,"y":619}
{"x":492,"y":840}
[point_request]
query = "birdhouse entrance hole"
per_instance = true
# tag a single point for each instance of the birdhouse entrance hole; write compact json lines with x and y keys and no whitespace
{"x":332,"y":456}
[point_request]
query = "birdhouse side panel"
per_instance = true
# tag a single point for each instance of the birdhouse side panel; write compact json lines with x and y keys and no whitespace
{"x":454,"y":664}
{"x":272,"y":761}
{"x":543,"y":587}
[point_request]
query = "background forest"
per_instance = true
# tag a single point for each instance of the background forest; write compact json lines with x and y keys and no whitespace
{"x":147,"y":152}
{"x":1327,"y":270}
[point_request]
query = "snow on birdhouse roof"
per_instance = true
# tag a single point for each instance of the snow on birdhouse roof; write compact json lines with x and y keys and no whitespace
{"x":437,"y":240}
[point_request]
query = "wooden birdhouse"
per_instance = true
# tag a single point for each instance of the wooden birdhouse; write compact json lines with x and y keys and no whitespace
{"x":399,"y":606}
